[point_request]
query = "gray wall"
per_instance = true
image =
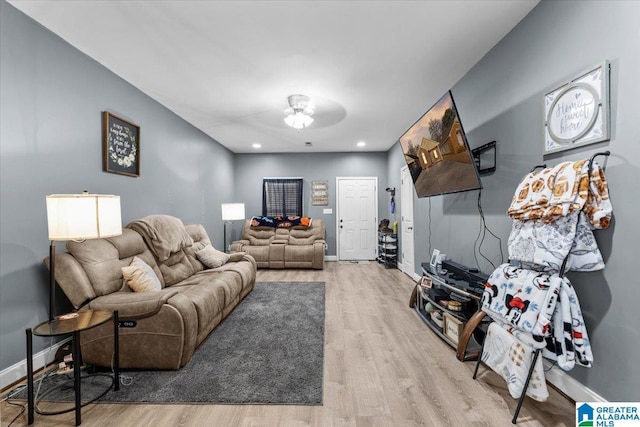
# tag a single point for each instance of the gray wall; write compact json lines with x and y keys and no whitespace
{"x":501,"y":99}
{"x":251,"y":168}
{"x":51,"y":98}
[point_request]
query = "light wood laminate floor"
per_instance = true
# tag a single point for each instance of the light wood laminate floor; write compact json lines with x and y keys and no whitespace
{"x":382,"y":367}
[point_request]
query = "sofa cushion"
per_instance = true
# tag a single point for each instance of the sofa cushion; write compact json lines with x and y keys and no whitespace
{"x":211,"y":257}
{"x":200,"y":240}
{"x":139,"y":276}
{"x":102,"y":259}
{"x":177,"y":268}
{"x":306,"y":236}
{"x":260,"y":253}
{"x":259,"y":236}
{"x":298,"y":254}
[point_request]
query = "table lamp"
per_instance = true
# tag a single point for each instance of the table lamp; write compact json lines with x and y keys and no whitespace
{"x":79,"y":217}
{"x":231,"y":212}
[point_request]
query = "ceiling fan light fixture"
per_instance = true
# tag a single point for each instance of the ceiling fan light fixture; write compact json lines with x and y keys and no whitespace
{"x":299,"y":113}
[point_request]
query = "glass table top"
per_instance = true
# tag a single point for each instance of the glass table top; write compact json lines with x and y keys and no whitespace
{"x":72,"y":322}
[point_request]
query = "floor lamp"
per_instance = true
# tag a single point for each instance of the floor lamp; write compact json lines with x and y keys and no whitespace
{"x":79,"y":217}
{"x":231,"y":212}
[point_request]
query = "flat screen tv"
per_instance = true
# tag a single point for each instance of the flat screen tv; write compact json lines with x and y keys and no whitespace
{"x":437,"y":152}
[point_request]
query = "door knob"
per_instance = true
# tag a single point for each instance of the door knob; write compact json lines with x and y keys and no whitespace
{"x":410,"y":228}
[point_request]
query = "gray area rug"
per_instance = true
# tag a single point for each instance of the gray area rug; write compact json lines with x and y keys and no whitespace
{"x":269,"y":350}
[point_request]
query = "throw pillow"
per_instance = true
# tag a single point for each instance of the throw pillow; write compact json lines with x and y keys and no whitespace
{"x":212,"y":257}
{"x":140,"y":277}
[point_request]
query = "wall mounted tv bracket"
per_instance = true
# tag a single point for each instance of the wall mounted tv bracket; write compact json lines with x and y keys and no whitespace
{"x":485,"y":158}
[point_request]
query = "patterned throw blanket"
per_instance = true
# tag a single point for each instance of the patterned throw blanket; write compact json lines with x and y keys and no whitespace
{"x":511,"y":359}
{"x":551,"y":193}
{"x":554,"y":212}
{"x":280,"y":221}
{"x":540,"y":310}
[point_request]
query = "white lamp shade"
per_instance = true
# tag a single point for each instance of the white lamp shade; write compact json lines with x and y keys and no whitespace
{"x":232,"y":211}
{"x":83,"y":216}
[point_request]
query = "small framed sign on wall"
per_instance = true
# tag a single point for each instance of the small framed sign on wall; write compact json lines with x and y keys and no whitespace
{"x":576,"y":113}
{"x":120,"y":145}
{"x":319,"y":193}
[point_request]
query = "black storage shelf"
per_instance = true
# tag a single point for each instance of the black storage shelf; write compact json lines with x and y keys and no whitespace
{"x":451,"y":288}
{"x":388,"y":249}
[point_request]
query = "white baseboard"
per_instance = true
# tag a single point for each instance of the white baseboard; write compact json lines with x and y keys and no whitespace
{"x":413,"y":274}
{"x":18,"y":371}
{"x":568,"y":385}
{"x":331,"y":258}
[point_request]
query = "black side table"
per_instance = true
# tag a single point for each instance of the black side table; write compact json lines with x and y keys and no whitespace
{"x":72,"y":326}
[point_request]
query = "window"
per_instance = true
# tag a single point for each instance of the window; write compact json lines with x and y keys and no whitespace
{"x":282,"y":196}
{"x":460,"y":138}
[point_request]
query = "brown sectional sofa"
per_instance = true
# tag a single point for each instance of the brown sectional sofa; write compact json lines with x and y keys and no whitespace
{"x":295,"y":247}
{"x":161,"y":329}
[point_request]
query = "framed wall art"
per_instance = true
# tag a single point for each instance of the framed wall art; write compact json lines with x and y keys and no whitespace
{"x":120,"y":145}
{"x":576,"y":113}
{"x":319,"y":193}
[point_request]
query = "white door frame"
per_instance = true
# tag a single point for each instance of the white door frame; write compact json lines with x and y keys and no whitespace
{"x":375,"y":194}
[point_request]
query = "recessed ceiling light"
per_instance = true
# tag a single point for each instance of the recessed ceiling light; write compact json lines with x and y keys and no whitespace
{"x":361,"y":144}
{"x":256,"y":145}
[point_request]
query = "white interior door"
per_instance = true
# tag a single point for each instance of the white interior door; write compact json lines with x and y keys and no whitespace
{"x":406,"y":222}
{"x":357,"y":218}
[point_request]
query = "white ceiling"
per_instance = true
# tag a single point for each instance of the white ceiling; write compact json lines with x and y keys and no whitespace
{"x":371,"y":68}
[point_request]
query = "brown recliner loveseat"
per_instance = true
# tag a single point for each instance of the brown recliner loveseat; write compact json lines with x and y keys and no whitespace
{"x":295,"y":247}
{"x":160,"y":329}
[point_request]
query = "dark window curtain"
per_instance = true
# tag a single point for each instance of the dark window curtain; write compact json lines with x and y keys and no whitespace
{"x":282,"y":196}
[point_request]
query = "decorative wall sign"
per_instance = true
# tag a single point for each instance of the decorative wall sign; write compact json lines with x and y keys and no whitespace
{"x":577,"y":112}
{"x":120,"y":145}
{"x":319,"y":193}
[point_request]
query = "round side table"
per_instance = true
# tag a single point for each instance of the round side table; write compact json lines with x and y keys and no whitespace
{"x":71,"y":324}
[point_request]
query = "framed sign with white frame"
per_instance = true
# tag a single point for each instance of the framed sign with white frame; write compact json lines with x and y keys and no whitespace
{"x":576,"y":113}
{"x":434,"y":261}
